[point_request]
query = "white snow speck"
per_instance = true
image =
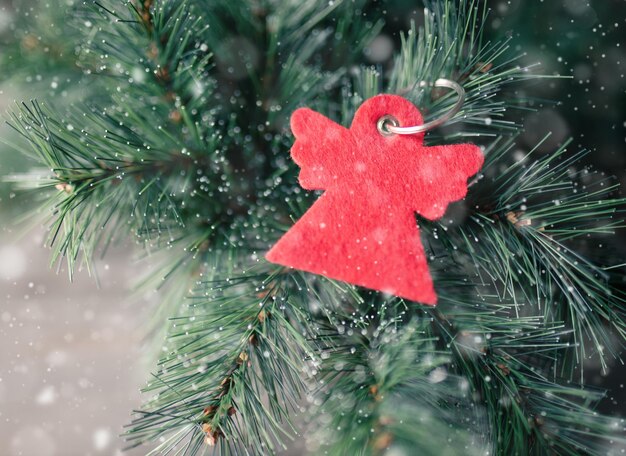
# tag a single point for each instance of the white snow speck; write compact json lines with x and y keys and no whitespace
{"x":46,"y":396}
{"x":437,"y":375}
{"x":101,"y":439}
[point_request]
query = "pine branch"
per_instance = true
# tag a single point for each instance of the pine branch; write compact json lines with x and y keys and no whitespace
{"x":88,"y":175}
{"x":450,"y":45}
{"x":233,"y":373}
{"x":387,"y":388}
{"x":202,"y":150}
{"x":173,"y":84}
{"x":189,"y":152}
{"x":542,"y":207}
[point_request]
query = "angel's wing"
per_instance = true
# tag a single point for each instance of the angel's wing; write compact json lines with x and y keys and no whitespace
{"x":441,"y":176}
{"x":322,"y":148}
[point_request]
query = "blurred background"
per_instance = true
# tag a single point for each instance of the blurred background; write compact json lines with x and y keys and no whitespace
{"x":74,"y":355}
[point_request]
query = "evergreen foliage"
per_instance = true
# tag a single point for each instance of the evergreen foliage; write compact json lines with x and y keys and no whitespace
{"x":182,"y":145}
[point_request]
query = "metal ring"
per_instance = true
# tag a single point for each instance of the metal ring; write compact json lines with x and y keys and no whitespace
{"x":385,"y":122}
{"x":389,"y":125}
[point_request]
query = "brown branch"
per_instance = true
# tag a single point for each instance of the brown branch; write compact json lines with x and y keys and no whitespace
{"x":212,"y":433}
{"x":143,"y":7}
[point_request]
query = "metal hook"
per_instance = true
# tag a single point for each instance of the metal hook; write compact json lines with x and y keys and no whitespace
{"x":389,"y":125}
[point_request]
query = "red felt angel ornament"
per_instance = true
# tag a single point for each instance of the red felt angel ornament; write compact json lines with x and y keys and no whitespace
{"x":362,"y":229}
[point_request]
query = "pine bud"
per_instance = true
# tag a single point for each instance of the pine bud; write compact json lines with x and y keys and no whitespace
{"x":253,"y":340}
{"x":65,"y":187}
{"x":385,"y":420}
{"x":153,"y":52}
{"x":163,"y":74}
{"x":516,"y":219}
{"x":175,"y":116}
{"x":211,"y":435}
{"x":505,"y":370}
{"x":210,"y":440}
{"x":242,"y":358}
{"x":374,"y":392}
{"x":383,"y":441}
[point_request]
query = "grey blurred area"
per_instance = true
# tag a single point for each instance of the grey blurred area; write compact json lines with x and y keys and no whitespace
{"x":73,"y":355}
{"x":71,"y":362}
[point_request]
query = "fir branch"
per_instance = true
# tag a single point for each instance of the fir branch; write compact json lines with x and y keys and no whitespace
{"x":387,"y":388}
{"x":234,"y":371}
{"x":202,"y":151}
{"x":167,"y":68}
{"x":510,"y":362}
{"x":89,"y":174}
{"x":538,"y":219}
{"x":450,"y":45}
{"x":189,"y":153}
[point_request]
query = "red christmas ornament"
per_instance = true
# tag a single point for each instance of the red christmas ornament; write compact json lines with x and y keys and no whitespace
{"x":362,"y":230}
